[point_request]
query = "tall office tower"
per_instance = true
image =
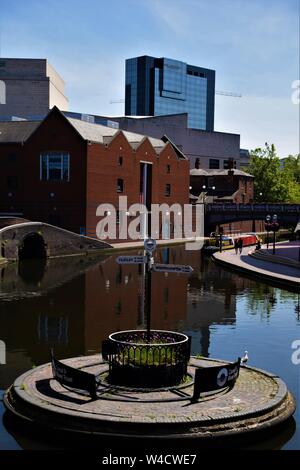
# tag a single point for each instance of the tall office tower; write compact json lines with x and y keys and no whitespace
{"x":29,"y":88}
{"x":160,"y":86}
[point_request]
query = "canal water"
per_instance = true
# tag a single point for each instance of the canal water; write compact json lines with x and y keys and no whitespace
{"x":72,"y":304}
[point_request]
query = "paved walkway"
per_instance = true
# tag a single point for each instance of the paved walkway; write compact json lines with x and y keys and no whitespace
{"x":277,"y":272}
{"x":286,"y":249}
{"x":140,"y":243}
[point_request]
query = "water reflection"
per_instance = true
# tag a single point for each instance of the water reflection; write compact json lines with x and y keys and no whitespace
{"x":72,"y":304}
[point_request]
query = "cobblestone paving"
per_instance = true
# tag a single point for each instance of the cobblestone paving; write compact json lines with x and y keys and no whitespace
{"x":254,"y":390}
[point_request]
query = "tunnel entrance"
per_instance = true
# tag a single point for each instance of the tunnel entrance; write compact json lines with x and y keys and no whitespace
{"x":32,"y":247}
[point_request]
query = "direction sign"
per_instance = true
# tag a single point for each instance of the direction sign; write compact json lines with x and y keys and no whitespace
{"x":131,"y":259}
{"x":150,"y":244}
{"x":172,"y":268}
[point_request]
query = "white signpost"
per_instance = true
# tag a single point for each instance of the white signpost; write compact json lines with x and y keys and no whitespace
{"x":149,"y":246}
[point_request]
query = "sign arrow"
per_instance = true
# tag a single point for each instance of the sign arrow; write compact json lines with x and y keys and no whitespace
{"x":172,"y":268}
{"x":131,"y":259}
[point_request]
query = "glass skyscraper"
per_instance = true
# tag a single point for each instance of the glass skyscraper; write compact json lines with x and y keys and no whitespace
{"x":159,"y":86}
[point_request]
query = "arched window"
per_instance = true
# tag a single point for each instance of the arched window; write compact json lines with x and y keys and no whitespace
{"x":2,"y":92}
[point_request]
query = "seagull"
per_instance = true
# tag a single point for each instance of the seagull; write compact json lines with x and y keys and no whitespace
{"x":245,"y":358}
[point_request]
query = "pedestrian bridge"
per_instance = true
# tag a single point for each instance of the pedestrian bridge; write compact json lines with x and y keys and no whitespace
{"x":40,"y":240}
{"x":216,"y":214}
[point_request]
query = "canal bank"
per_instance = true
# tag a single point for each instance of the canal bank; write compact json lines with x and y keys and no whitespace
{"x":283,"y":271}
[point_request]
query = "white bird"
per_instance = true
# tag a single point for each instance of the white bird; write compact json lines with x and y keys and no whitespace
{"x":245,"y":358}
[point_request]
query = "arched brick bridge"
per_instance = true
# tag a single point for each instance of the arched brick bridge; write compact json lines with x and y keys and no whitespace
{"x":38,"y":239}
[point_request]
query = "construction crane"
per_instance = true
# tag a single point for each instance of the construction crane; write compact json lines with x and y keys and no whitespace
{"x":218,"y":92}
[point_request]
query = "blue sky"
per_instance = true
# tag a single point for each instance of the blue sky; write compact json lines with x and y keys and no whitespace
{"x":252,"y":44}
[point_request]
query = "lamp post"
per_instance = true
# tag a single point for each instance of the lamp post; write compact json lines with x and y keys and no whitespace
{"x":275,"y":227}
{"x":213,"y":189}
{"x":203,"y":188}
{"x":267,"y":227}
{"x":272,"y":225}
{"x":221,"y":238}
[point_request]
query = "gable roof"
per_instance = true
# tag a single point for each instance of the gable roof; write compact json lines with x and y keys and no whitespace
{"x":17,"y":131}
{"x":20,"y":131}
{"x":103,"y":134}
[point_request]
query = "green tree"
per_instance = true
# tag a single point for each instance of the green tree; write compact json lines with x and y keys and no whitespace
{"x":291,"y":174}
{"x":271,"y":184}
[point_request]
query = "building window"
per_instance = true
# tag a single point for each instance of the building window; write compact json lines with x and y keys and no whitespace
{"x":120,"y":185}
{"x":168,"y":168}
{"x":120,"y":161}
{"x":12,"y":182}
{"x":55,"y":166}
{"x":210,"y":181}
{"x":229,"y":164}
{"x":214,"y":163}
{"x":168,"y":190}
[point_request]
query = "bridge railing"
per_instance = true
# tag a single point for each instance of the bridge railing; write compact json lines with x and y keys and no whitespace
{"x":253,"y":208}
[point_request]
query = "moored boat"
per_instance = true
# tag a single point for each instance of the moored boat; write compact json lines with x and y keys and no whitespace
{"x":212,"y":243}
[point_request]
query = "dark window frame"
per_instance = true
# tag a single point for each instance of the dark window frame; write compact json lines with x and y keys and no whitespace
{"x":120,"y":185}
{"x":45,"y":166}
{"x":215,"y":165}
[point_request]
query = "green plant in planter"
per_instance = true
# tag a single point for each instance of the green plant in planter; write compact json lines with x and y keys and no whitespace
{"x":149,"y":355}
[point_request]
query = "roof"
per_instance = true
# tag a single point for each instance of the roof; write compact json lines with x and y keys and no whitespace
{"x":228,"y":197}
{"x":103,"y":134}
{"x":19,"y":131}
{"x":16,"y":131}
{"x":202,"y":172}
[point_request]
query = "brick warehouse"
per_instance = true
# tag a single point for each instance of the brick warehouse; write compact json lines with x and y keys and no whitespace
{"x":60,"y":169}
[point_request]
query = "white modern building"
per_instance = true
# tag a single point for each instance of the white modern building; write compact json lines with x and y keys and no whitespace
{"x":29,"y":88}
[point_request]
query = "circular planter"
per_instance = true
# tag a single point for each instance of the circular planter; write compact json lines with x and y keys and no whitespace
{"x":158,"y":361}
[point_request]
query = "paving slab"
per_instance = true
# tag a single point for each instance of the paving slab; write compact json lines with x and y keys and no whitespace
{"x":258,"y":401}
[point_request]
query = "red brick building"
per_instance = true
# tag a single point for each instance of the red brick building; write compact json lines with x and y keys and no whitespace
{"x":233,"y":186}
{"x":60,"y":169}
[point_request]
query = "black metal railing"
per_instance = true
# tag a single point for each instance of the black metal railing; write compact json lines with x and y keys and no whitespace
{"x":138,"y":361}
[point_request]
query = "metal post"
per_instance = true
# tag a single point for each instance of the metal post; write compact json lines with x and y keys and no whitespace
{"x":148,"y":296}
{"x":274,"y":241}
{"x":267,"y":240}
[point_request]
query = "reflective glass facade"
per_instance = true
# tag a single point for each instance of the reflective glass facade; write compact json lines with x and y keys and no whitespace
{"x":162,"y":86}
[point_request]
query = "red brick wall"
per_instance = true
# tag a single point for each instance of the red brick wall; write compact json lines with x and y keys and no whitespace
{"x":103,"y":171}
{"x":32,"y":197}
{"x":55,"y":134}
{"x":94,"y":171}
{"x":10,"y":162}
